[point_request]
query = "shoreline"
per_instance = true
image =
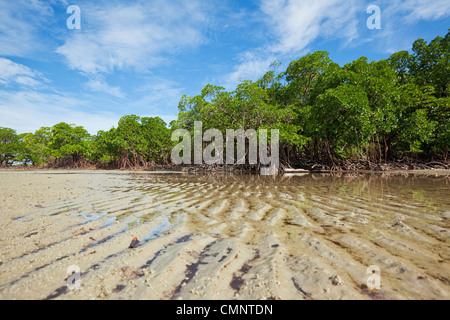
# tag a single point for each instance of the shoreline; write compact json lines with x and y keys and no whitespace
{"x":194,"y":170}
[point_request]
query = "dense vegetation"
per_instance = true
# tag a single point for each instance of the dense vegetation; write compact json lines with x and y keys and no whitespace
{"x":387,"y":110}
{"x":136,"y":142}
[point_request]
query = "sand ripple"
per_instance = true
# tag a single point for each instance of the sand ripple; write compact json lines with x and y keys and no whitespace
{"x":223,"y":237}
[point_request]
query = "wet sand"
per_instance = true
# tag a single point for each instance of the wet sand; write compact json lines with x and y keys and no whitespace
{"x":223,"y":237}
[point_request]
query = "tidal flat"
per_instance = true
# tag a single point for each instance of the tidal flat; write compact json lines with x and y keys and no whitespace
{"x":224,"y":236}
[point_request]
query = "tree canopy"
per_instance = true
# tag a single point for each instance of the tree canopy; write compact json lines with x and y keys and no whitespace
{"x":383,"y":110}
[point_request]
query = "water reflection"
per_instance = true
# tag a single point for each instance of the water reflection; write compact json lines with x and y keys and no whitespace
{"x":399,"y":222}
{"x":427,"y":191}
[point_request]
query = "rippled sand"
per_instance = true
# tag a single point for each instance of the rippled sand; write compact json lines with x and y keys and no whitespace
{"x":223,"y":237}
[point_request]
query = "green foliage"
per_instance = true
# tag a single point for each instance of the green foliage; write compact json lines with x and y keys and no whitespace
{"x":10,"y":146}
{"x":439,"y":112}
{"x":430,"y":64}
{"x":417,"y":129}
{"x":380,"y":109}
{"x":135,"y":142}
{"x":341,"y":116}
{"x":400,"y":63}
{"x":377,"y":110}
{"x":30,"y":153}
{"x":68,"y":142}
{"x":414,"y":127}
{"x":247,"y":107}
{"x":305,"y":75}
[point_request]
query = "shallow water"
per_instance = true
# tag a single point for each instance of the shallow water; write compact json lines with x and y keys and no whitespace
{"x":264,"y":237}
{"x":399,"y":223}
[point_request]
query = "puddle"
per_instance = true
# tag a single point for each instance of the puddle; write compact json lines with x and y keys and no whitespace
{"x":157,"y":231}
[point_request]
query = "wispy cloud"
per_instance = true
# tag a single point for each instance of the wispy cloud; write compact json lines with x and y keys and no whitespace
{"x":400,"y":21}
{"x":292,"y":25}
{"x":141,"y":56}
{"x":412,"y":11}
{"x":297,"y":23}
{"x":133,"y":36}
{"x":20,"y":22}
{"x":27,"y":111}
{"x":157,"y":97}
{"x":12,"y":73}
{"x":252,"y":65}
{"x":99,"y":85}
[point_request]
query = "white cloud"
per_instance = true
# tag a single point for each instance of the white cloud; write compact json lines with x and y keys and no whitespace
{"x":297,"y":23}
{"x":156,"y":96}
{"x":252,"y":66}
{"x":413,"y":11}
{"x":292,"y":25}
{"x":134,"y":36}
{"x":27,"y":81}
{"x":399,"y":23}
{"x":15,"y":73}
{"x":27,"y":111}
{"x":100,"y":85}
{"x":20,"y":22}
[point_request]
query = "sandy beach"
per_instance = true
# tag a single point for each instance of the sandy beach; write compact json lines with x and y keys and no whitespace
{"x":214,"y":237}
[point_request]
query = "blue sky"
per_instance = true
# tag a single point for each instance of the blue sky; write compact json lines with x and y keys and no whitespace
{"x":140,"y":57}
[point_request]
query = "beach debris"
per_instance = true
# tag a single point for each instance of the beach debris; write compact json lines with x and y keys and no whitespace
{"x":148,"y":272}
{"x":40,"y":206}
{"x":290,"y":170}
{"x":135,"y":243}
{"x":337,"y":281}
{"x":399,"y":224}
{"x":31,"y":234}
{"x":119,"y":288}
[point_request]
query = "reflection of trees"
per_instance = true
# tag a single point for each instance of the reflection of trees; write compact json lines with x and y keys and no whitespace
{"x":371,"y":187}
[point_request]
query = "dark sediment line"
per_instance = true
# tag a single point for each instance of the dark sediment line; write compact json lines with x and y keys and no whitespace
{"x":191,"y":270}
{"x":238,"y":281}
{"x":297,"y":286}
